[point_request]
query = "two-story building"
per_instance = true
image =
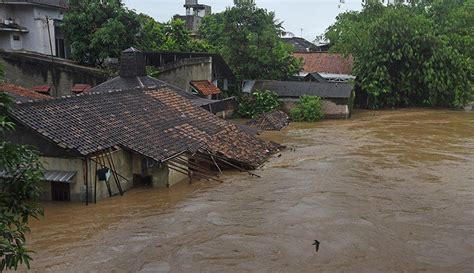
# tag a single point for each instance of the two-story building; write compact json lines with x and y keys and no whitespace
{"x":194,"y":14}
{"x":33,"y":25}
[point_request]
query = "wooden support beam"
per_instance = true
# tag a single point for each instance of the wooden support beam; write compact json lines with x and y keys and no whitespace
{"x":233,"y":165}
{"x":95,"y":183}
{"x":117,"y":180}
{"x":207,"y":177}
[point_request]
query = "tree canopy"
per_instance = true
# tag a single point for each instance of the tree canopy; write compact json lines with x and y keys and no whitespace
{"x":410,"y":55}
{"x":98,"y":29}
{"x":19,"y":190}
{"x":248,"y":37}
{"x":170,"y":36}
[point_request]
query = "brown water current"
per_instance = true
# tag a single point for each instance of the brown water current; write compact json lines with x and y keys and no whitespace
{"x":389,"y":191}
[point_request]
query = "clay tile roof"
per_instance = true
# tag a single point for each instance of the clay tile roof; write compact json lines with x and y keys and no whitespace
{"x":205,"y":87}
{"x":79,"y":88}
{"x":325,"y":62}
{"x":44,"y":89}
{"x":157,"y":123}
{"x":21,"y":94}
{"x":272,"y":121}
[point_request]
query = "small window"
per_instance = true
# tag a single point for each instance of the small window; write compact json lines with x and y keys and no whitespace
{"x":16,"y":37}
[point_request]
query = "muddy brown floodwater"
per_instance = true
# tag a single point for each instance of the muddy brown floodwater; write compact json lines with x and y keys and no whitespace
{"x":383,"y":192}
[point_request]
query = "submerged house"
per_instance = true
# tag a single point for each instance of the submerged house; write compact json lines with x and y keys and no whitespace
{"x":337,"y":97}
{"x":100,"y":144}
{"x":128,"y":131}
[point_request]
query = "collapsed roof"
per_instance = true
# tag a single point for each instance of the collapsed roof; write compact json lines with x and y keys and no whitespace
{"x":158,"y":123}
{"x":272,"y":121}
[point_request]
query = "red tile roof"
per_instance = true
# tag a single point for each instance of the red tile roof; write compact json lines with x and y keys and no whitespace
{"x":20,"y":93}
{"x":272,"y":121}
{"x":44,"y":89}
{"x":205,"y":87}
{"x":79,"y":88}
{"x":157,"y":123}
{"x":325,"y":62}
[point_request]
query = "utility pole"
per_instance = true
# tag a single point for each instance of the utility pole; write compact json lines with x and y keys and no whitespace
{"x":53,"y":71}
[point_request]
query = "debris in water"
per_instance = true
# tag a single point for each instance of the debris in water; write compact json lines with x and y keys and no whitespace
{"x":316,"y":244}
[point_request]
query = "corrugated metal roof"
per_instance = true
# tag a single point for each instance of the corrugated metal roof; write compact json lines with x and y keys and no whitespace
{"x":51,"y":176}
{"x":59,"y":176}
{"x":291,"y":89}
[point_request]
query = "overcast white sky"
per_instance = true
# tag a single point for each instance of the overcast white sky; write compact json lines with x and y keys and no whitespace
{"x":314,"y":16}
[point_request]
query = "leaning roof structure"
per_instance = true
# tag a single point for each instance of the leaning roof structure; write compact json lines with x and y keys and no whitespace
{"x":158,"y":123}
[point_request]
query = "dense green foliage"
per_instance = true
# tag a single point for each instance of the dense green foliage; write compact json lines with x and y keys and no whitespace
{"x":308,"y":108}
{"x":19,"y":190}
{"x":410,"y":55}
{"x":98,"y":29}
{"x":248,"y":38}
{"x":258,"y":103}
{"x":1,"y":72}
{"x":170,"y":36}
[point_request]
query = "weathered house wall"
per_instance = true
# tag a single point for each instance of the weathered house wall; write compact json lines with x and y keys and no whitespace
{"x":31,"y":70}
{"x":331,"y":109}
{"x":77,"y":185}
{"x":181,"y":73}
{"x":123,"y":165}
{"x":162,"y":176}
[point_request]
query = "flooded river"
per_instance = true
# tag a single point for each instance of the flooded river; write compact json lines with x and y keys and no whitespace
{"x":384,"y":192}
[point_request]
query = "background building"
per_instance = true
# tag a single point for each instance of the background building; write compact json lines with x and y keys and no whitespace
{"x":33,"y":25}
{"x":194,"y":14}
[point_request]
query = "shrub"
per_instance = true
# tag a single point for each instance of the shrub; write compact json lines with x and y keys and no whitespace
{"x":308,"y":108}
{"x":258,"y":103}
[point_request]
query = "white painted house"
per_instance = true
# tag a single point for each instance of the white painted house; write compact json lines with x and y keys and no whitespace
{"x":30,"y":25}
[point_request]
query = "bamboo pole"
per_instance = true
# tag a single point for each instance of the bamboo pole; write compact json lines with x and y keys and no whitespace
{"x":115,"y":171}
{"x":117,"y":181}
{"x":207,"y":177}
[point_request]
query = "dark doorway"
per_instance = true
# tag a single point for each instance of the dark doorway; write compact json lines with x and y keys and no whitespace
{"x":60,"y":191}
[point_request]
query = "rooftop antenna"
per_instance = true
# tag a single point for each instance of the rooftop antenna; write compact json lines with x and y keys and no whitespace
{"x":301,"y":32}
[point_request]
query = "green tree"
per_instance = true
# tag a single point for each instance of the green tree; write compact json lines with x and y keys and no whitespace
{"x":211,"y":30}
{"x":2,"y":73}
{"x":19,"y":190}
{"x":97,"y":29}
{"x":308,"y":108}
{"x":401,"y":57}
{"x":248,"y":37}
{"x":170,"y":36}
{"x":258,"y":103}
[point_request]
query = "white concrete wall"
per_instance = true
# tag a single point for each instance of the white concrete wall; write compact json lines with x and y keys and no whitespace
{"x":34,"y":19}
